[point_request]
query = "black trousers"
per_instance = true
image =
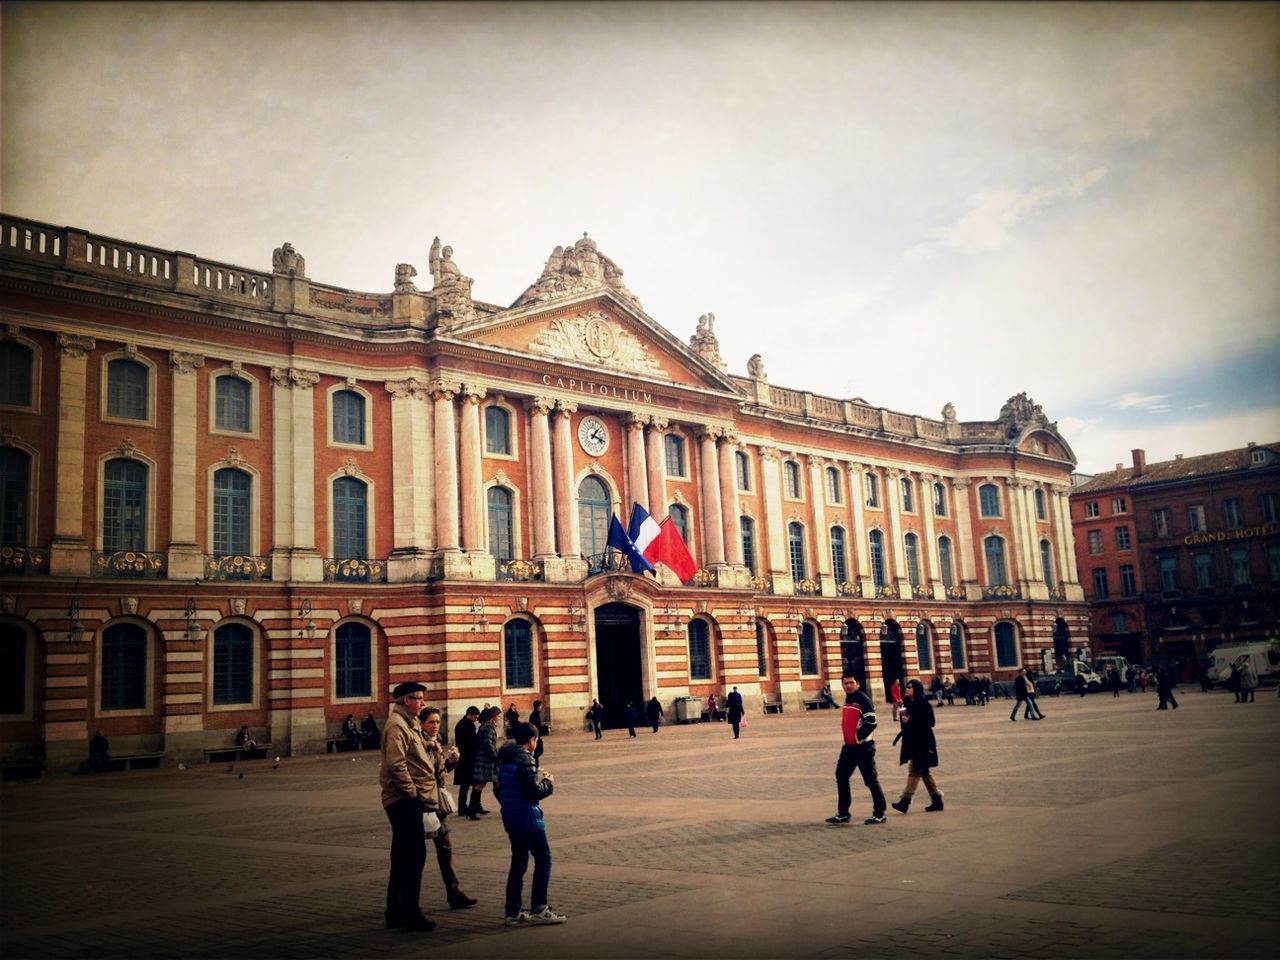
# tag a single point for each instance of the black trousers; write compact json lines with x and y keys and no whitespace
{"x":860,"y":757}
{"x":408,"y":854}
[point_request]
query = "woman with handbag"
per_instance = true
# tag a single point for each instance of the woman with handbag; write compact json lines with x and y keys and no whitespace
{"x":919,"y":747}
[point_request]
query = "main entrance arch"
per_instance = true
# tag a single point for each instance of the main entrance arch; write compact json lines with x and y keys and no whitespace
{"x":619,"y":671}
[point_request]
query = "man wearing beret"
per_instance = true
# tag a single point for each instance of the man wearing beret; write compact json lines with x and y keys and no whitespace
{"x":409,"y":789}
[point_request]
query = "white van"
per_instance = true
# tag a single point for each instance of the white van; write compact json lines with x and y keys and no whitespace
{"x":1220,"y":661}
{"x":1101,"y":664}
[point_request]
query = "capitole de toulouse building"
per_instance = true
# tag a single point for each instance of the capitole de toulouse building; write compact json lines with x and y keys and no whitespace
{"x":234,"y":496}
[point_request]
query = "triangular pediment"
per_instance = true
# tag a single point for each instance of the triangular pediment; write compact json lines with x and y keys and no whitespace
{"x":598,"y":330}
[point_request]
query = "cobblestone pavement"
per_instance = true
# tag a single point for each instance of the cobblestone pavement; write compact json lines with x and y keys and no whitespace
{"x":1107,"y":830}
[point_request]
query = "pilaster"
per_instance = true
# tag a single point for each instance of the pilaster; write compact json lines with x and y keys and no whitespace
{"x":471,"y":487}
{"x":411,"y":479}
{"x":657,"y":467}
{"x":637,"y":468}
{"x":69,"y":553}
{"x":446,"y":467}
{"x":729,"y":500}
{"x":568,"y":536}
{"x":185,"y":561}
{"x":857,"y":503}
{"x":818,"y":505}
{"x":712,"y":515}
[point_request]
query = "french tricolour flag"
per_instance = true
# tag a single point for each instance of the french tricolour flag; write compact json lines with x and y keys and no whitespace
{"x":661,"y":543}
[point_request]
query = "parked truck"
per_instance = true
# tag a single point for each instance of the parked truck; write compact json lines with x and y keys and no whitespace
{"x":1262,"y":654}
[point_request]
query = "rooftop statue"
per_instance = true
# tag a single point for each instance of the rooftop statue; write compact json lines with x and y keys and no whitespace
{"x":288,"y":261}
{"x":755,"y":367}
{"x":704,"y":341}
{"x":577,"y":269}
{"x":452,"y":291}
{"x":405,"y":272}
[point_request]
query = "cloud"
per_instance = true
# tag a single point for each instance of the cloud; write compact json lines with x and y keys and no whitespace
{"x":993,"y":215}
{"x":1154,"y":402}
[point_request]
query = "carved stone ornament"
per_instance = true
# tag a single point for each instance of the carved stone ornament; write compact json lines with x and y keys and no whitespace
{"x":237,"y":367}
{"x":770,"y":454}
{"x":349,"y":467}
{"x":75,"y":347}
{"x":502,"y":479}
{"x":704,"y":341}
{"x":679,"y":497}
{"x":233,"y":458}
{"x":131,"y":351}
{"x":659,"y":423}
{"x":1019,"y":412}
{"x":755,"y":368}
{"x":288,"y":262}
{"x":949,"y":412}
{"x":451,"y":290}
{"x":185,"y":363}
{"x":580,"y":268}
{"x":356,"y":606}
{"x":12,"y":331}
{"x":410,"y":387}
{"x":239,"y":605}
{"x":618,"y":588}
{"x":522,"y":604}
{"x":472,"y":393}
{"x":566,"y":407}
{"x":445,"y":389}
{"x":593,"y":338}
{"x":8,"y":603}
{"x":405,"y":272}
{"x":129,"y":606}
{"x":7,"y":436}
{"x":127,"y":448}
{"x":293,"y":377}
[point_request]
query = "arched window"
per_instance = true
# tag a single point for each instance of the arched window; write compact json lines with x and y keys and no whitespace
{"x":232,"y":664}
{"x":924,"y":648}
{"x":350,"y":518}
{"x":124,"y":506}
{"x":1046,"y":561}
{"x":875,"y":540}
{"x":15,"y":473}
{"x":989,"y":500}
{"x":124,"y":668}
{"x":1006,"y":646}
{"x":957,"y":647}
{"x":673,"y":445}
{"x":795,"y":546}
{"x":908,"y":495}
{"x":997,"y":575}
{"x":1040,"y":508}
{"x":501,"y":539}
{"x":873,"y":490}
{"x":127,"y":390}
{"x":699,"y":650}
{"x":839,"y":569}
{"x":231,"y":404}
{"x":762,"y":652}
{"x":13,"y":670}
{"x":808,"y":650}
{"x":833,"y":485}
{"x":497,"y":430}
{"x":944,"y":562}
{"x":744,"y":470}
{"x":16,"y":364}
{"x":353,"y":656}
{"x":231,"y":512}
{"x":939,"y":500}
{"x":348,"y":417}
{"x":594,"y":509}
{"x":517,"y":654}
{"x":748,"y":528}
{"x":911,"y":543}
{"x":680,"y":517}
{"x":791,"y":479}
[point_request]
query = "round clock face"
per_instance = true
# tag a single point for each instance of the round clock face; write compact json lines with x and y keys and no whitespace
{"x":593,"y":435}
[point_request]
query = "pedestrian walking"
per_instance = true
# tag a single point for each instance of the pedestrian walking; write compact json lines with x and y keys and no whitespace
{"x":1164,"y":688}
{"x":629,"y":715}
{"x":653,"y":713}
{"x":734,"y":706}
{"x":409,"y":789}
{"x":919,"y":748}
{"x":858,"y":726}
{"x":895,"y":696}
{"x":1022,"y":687}
{"x":1131,"y":679}
{"x":1248,"y":680}
{"x":464,"y":738}
{"x":595,"y":713}
{"x":713,"y":709}
{"x":522,"y":788}
{"x":535,"y":718}
{"x":441,"y":761}
{"x":485,"y":764}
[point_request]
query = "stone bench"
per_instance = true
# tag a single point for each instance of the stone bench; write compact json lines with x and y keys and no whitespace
{"x":231,"y":754}
{"x":29,"y":769}
{"x":133,"y":761}
{"x":772,"y":703}
{"x":342,"y":745}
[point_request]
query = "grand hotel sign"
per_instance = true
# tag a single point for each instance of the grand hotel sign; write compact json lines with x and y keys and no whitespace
{"x":1244,"y":533}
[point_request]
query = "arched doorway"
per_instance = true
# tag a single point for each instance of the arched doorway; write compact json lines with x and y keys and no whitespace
{"x":619,"y":672}
{"x":1061,"y":641}
{"x":853,"y":661}
{"x":890,"y":654}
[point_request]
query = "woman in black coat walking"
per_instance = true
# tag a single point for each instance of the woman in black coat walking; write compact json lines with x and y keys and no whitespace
{"x":919,"y":748}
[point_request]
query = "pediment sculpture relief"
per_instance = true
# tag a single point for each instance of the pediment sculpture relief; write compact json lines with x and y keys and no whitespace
{"x":577,"y":269}
{"x":594,"y":338}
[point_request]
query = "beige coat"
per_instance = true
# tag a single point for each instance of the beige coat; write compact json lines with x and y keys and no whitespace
{"x":407,"y":769}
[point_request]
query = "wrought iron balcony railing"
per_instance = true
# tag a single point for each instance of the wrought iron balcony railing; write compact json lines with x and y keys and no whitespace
{"x":850,"y":588}
{"x":922,"y":591}
{"x":520,"y":570}
{"x":1004,"y":591}
{"x":886,"y":591}
{"x":956,"y":592}
{"x":761,"y":585}
{"x":130,"y":563}
{"x":237,"y":567}
{"x":16,"y":560}
{"x":703,"y":578}
{"x":355,"y":570}
{"x":807,"y":588}
{"x":611,"y":561}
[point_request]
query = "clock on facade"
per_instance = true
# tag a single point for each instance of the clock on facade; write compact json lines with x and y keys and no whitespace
{"x":593,"y":435}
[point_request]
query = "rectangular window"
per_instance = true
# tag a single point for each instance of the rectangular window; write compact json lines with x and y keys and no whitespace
{"x":1099,"y":583}
{"x":231,"y":404}
{"x":1195,"y":516}
{"x":1095,"y":541}
{"x":348,"y":417}
{"x":1122,"y":538}
{"x":791,"y":474}
{"x":1040,"y":507}
{"x":1231,"y":513}
{"x":1006,"y":647}
{"x":744,"y":470}
{"x":1162,"y":522}
{"x":1240,"y":567}
{"x":518,"y":654}
{"x":939,"y":500}
{"x":873,"y":490}
{"x":1119,"y":623}
{"x":233,"y":665}
{"x":1204,"y":571}
{"x":674,"y":447}
{"x":1128,"y":581}
{"x":989,"y":500}
{"x":838,"y":567}
{"x":808,"y":651}
{"x":833,"y":485}
{"x":1270,"y":508}
{"x":748,"y":543}
{"x":762,"y":660}
{"x":944,"y":562}
{"x":355,"y":670}
{"x":127,"y":390}
{"x":1091,"y":509}
{"x":908,"y":497}
{"x":699,"y":651}
{"x":1119,"y":505}
{"x":1169,"y":574}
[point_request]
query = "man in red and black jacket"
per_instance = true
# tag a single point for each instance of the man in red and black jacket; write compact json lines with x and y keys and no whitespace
{"x":858,"y":722}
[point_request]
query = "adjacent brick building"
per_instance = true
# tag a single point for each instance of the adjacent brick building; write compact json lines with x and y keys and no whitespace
{"x":234,"y":496}
{"x":1179,"y":557}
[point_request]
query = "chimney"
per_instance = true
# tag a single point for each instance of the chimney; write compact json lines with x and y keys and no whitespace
{"x":1139,"y":462}
{"x":1119,"y":466}
{"x":1177,"y":456}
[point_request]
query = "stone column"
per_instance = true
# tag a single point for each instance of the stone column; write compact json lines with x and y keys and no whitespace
{"x":542,"y":496}
{"x":471,"y":486}
{"x":964,"y":533}
{"x":446,"y":467}
{"x":69,"y":552}
{"x":893,"y":542}
{"x":637,"y":470}
{"x":931,"y":538}
{"x":657,"y":466}
{"x":1018,"y":525}
{"x":568,"y":537}
{"x":411,"y":480}
{"x":712,"y":512}
{"x":294,"y":556}
{"x":821,"y":536}
{"x":775,"y":529}
{"x":857,"y":505}
{"x":185,"y":559}
{"x":729,"y":500}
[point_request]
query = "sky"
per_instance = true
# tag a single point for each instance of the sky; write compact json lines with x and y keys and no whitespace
{"x":913,"y":204}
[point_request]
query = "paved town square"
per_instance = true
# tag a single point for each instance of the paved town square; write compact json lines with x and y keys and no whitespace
{"x":1110,"y":829}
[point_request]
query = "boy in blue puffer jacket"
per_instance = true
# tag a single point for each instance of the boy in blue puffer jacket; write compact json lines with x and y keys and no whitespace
{"x":521,"y":786}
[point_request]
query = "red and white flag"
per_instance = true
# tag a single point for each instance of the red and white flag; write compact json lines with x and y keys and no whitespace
{"x":669,"y":547}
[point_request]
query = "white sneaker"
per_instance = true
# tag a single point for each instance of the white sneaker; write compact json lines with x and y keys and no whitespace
{"x":519,"y":920}
{"x":546,"y":915}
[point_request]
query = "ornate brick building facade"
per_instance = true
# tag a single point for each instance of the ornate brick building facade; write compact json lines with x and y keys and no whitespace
{"x":241,"y":497}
